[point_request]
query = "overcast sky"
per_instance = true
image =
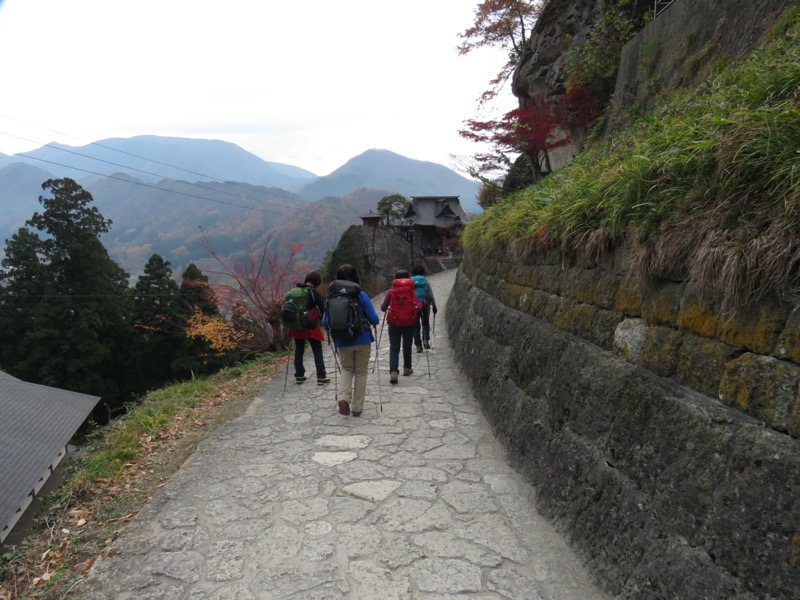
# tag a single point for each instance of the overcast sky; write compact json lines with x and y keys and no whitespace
{"x":309,"y":83}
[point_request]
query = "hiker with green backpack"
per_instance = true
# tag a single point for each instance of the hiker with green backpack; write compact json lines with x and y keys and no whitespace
{"x":301,"y":313}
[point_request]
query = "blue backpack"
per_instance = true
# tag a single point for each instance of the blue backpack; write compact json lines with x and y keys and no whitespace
{"x":421,"y":288}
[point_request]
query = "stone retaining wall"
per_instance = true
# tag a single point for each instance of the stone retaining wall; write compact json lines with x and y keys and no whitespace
{"x":749,"y":359}
{"x":606,"y":399}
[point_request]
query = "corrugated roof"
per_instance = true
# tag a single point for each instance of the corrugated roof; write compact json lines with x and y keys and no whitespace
{"x":436,"y":211}
{"x":36,"y":423}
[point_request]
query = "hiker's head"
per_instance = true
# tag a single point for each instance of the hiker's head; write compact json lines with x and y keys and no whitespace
{"x":418,"y":270}
{"x":347,"y":273}
{"x":314,"y":278}
{"x":401,"y":274}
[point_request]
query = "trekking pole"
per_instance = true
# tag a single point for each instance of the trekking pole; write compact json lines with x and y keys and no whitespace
{"x":378,"y":342}
{"x":332,"y":346}
{"x":335,"y":371}
{"x":380,"y":388}
{"x":288,"y":356}
{"x":429,"y":363}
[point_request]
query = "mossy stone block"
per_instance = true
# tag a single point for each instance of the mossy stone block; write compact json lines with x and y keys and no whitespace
{"x":550,"y":279}
{"x":580,"y":321}
{"x":755,"y":328}
{"x":514,"y":295}
{"x":587,"y":282}
{"x":788,"y":346}
{"x":701,"y":363}
{"x":628,"y":299}
{"x":763,"y":387}
{"x":565,"y":314}
{"x":661,"y":303}
{"x":606,"y":289}
{"x":533,"y":277}
{"x":793,"y":420}
{"x":569,"y":283}
{"x":699,"y":312}
{"x":661,"y":350}
{"x":604,"y":325}
{"x":538,"y":302}
{"x":551,"y":308}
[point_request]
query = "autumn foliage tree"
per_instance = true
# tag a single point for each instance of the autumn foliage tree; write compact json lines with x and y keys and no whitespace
{"x":199,"y":313}
{"x":250,"y":290}
{"x":531,"y":132}
{"x":504,"y":24}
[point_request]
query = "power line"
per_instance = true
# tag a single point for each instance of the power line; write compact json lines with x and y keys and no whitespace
{"x":155,"y":187}
{"x":288,"y":209}
{"x":130,"y":168}
{"x":112,"y":149}
{"x":49,"y":145}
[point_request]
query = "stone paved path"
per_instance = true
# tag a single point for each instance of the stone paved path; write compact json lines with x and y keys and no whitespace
{"x":413,"y":500}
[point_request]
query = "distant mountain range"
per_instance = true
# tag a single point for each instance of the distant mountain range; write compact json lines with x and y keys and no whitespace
{"x":167,"y":195}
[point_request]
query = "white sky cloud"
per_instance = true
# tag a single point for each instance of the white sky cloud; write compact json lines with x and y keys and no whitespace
{"x":309,"y":83}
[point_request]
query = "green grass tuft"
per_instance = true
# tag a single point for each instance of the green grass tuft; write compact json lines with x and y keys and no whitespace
{"x":714,"y":172}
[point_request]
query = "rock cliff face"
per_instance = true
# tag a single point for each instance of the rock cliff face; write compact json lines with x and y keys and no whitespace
{"x":566,"y":24}
{"x":680,"y":47}
{"x":667,"y":492}
{"x":676,"y":49}
{"x":377,"y":254}
{"x":563,"y":23}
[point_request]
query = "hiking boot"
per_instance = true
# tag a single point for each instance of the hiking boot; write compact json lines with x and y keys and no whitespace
{"x":323,"y":380}
{"x":419,"y":347}
{"x":408,"y":371}
{"x":300,"y":379}
{"x":344,"y":408}
{"x":393,"y":376}
{"x":427,"y":345}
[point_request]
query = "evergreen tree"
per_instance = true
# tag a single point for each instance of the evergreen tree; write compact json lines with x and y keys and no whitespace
{"x":22,"y":282}
{"x":195,"y":291}
{"x":155,"y":297}
{"x":156,"y":319}
{"x":65,"y":303}
{"x":196,"y":355}
{"x":393,"y":207}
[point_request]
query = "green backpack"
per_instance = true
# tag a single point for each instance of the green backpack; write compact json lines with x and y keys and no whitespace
{"x":294,"y":309}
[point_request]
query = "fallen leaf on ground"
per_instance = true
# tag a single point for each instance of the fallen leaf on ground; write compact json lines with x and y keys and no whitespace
{"x":83,"y":567}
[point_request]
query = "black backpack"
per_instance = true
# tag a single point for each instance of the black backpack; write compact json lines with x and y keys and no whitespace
{"x":342,"y":313}
{"x":293,"y":313}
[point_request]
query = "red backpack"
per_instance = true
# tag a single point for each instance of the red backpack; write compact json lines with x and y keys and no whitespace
{"x":403,"y":305}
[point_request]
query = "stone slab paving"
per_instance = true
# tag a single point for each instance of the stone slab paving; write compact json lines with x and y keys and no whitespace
{"x":413,"y":500}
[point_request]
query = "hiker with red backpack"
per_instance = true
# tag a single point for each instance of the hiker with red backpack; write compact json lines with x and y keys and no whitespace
{"x":403,"y":306}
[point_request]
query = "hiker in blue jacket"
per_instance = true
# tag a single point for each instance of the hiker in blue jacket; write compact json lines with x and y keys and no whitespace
{"x":354,"y":354}
{"x":422,"y":287}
